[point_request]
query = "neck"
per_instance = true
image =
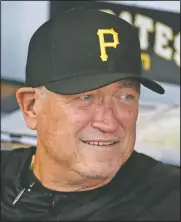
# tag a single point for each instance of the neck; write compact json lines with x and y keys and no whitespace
{"x":58,"y":176}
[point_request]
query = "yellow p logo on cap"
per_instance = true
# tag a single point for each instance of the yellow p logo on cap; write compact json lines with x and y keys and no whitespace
{"x":104,"y":45}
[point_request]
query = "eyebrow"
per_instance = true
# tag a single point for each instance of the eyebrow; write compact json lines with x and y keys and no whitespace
{"x":135,"y":84}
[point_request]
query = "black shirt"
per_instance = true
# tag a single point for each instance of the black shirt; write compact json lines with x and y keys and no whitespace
{"x":143,"y":189}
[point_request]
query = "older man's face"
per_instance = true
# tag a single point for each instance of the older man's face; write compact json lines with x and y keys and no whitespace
{"x":92,"y":133}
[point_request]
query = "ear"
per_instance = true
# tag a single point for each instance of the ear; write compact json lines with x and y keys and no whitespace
{"x":26,"y":99}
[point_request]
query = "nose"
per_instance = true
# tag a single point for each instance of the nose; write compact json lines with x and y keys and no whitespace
{"x":105,"y":120}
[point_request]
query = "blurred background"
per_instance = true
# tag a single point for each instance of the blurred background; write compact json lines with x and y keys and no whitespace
{"x":158,"y":26}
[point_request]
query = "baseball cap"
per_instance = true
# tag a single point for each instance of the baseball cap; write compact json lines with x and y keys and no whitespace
{"x":84,"y":49}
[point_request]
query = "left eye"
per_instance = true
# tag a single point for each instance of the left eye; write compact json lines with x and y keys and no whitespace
{"x":87,"y":97}
{"x":126,"y":96}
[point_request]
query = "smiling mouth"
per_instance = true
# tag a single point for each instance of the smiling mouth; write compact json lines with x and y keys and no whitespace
{"x":96,"y":143}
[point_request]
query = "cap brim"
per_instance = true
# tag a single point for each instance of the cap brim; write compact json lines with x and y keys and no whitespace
{"x":85,"y":83}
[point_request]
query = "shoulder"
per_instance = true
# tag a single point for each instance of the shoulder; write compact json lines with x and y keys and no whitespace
{"x":159,"y":188}
{"x":156,"y":170}
{"x":5,"y":153}
{"x":155,"y":173}
{"x":14,"y":156}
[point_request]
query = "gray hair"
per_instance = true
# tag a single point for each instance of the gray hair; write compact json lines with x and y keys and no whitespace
{"x":40,"y":92}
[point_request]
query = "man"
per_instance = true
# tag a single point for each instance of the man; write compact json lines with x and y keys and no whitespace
{"x":82,"y":91}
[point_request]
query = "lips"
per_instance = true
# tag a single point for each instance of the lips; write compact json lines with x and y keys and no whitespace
{"x":101,"y":143}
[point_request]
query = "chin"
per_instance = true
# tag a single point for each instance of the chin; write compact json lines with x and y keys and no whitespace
{"x":99,"y":172}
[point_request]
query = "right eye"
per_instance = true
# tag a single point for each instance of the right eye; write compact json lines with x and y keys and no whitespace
{"x":87,"y":97}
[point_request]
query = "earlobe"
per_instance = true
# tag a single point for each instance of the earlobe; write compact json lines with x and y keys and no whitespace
{"x":26,"y":100}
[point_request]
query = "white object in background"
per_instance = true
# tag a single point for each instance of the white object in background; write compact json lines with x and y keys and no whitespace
{"x":159,"y":135}
{"x":19,"y":20}
{"x":170,"y":6}
{"x":28,"y":140}
{"x":160,"y":153}
{"x":14,"y":123}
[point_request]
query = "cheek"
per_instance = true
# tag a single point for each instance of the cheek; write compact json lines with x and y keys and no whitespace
{"x":80,"y":118}
{"x":55,"y":132}
{"x":127,"y":116}
{"x":65,"y":122}
{"x":48,"y":125}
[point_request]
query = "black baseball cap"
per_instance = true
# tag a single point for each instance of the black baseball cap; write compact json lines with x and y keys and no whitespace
{"x":84,"y":49}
